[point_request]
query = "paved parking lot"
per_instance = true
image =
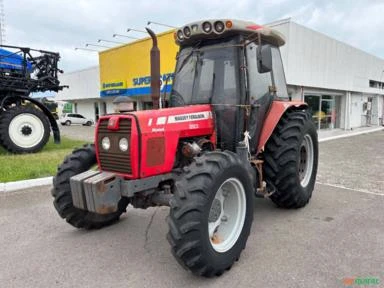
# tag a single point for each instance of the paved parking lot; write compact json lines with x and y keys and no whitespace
{"x":338,"y":235}
{"x":78,"y":132}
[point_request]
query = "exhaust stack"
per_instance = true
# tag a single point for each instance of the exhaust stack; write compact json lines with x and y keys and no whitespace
{"x":155,"y":70}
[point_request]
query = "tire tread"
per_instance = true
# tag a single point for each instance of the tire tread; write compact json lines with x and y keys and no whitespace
{"x":281,"y":154}
{"x":79,"y":161}
{"x":190,"y":199}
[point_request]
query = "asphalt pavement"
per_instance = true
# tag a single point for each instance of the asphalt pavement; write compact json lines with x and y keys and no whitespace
{"x":78,"y":132}
{"x":338,"y":235}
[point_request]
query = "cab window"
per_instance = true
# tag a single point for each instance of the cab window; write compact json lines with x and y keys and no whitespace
{"x":259,"y":83}
{"x":278,"y":74}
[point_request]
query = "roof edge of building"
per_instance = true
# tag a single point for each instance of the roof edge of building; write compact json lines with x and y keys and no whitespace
{"x":81,"y":70}
{"x":333,"y":38}
{"x":279,"y":22}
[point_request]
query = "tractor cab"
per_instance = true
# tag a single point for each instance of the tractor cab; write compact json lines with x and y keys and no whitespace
{"x":236,"y":67}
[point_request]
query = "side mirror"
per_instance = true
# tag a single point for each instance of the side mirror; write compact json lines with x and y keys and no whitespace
{"x":264,"y":58}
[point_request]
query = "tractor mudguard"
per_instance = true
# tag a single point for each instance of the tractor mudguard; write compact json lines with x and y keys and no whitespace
{"x":274,"y":115}
{"x":52,"y":120}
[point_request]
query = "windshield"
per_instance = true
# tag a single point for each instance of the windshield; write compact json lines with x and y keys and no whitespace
{"x":206,"y":75}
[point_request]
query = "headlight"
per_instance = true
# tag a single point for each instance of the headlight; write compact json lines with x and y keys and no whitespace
{"x":106,"y":143}
{"x":180,"y":35}
{"x":207,"y":27}
{"x":219,"y":26}
{"x":187,"y":32}
{"x":123,"y":144}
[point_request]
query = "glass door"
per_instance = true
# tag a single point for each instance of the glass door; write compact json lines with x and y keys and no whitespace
{"x":313,"y":102}
{"x":328,"y":112}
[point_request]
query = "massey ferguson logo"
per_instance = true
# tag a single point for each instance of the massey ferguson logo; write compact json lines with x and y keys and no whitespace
{"x":180,"y":118}
{"x":190,"y":117}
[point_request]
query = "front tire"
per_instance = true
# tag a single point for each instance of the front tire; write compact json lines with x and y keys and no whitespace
{"x":24,"y":129}
{"x":291,"y":157}
{"x":79,"y":161}
{"x":211,"y":213}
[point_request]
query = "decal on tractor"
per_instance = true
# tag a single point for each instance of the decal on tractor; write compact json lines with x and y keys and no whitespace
{"x":190,"y":117}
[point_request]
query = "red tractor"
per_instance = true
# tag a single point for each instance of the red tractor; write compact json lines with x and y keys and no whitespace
{"x":230,"y":133}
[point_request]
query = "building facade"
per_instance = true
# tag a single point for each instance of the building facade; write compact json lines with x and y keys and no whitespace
{"x":84,"y":93}
{"x":344,"y":86}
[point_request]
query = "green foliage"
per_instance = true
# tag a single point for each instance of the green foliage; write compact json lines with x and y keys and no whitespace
{"x":30,"y":166}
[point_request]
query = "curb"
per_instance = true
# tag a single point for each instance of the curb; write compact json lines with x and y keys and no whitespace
{"x":351,"y":134}
{"x":23,"y":184}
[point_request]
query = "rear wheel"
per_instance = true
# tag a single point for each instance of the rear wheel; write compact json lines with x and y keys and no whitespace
{"x":211,"y":213}
{"x":79,"y":161}
{"x":24,"y":129}
{"x":291,"y":157}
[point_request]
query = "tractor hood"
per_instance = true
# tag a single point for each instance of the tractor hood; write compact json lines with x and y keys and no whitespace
{"x":152,"y":137}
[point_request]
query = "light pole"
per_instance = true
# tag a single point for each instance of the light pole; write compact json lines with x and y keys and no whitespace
{"x":136,"y":30}
{"x":121,"y":35}
{"x":86,"y":49}
{"x":95,"y":45}
{"x":161,"y":24}
{"x":109,"y":41}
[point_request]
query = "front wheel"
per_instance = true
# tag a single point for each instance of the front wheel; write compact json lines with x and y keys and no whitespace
{"x":79,"y":161}
{"x":24,"y":129}
{"x":211,"y":213}
{"x":291,"y":157}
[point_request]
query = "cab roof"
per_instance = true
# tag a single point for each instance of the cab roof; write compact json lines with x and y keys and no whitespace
{"x":219,"y":28}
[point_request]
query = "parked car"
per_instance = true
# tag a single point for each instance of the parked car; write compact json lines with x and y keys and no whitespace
{"x":72,"y":118}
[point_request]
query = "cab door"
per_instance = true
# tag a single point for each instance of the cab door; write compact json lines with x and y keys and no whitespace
{"x":263,"y":89}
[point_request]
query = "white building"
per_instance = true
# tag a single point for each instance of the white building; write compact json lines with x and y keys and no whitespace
{"x":343,"y":85}
{"x":84,"y":93}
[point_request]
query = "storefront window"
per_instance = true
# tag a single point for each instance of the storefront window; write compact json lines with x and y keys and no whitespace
{"x":324,"y":110}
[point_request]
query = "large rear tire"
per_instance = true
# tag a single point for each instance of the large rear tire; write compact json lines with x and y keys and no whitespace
{"x":79,"y":161}
{"x":291,"y":157}
{"x":211,"y":213}
{"x":23,"y":129}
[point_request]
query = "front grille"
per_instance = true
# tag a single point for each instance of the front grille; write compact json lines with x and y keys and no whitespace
{"x":115,"y":160}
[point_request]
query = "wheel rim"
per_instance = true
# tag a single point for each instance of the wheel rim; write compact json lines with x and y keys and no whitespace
{"x":227,"y":215}
{"x":26,"y":130}
{"x":306,"y":160}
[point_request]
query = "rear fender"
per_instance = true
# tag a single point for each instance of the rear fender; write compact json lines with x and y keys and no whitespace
{"x":274,"y":115}
{"x":52,"y":120}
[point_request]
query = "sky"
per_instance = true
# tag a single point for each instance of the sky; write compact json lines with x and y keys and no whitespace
{"x":62,"y":25}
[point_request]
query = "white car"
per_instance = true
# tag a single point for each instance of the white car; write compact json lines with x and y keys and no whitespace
{"x":72,"y":118}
